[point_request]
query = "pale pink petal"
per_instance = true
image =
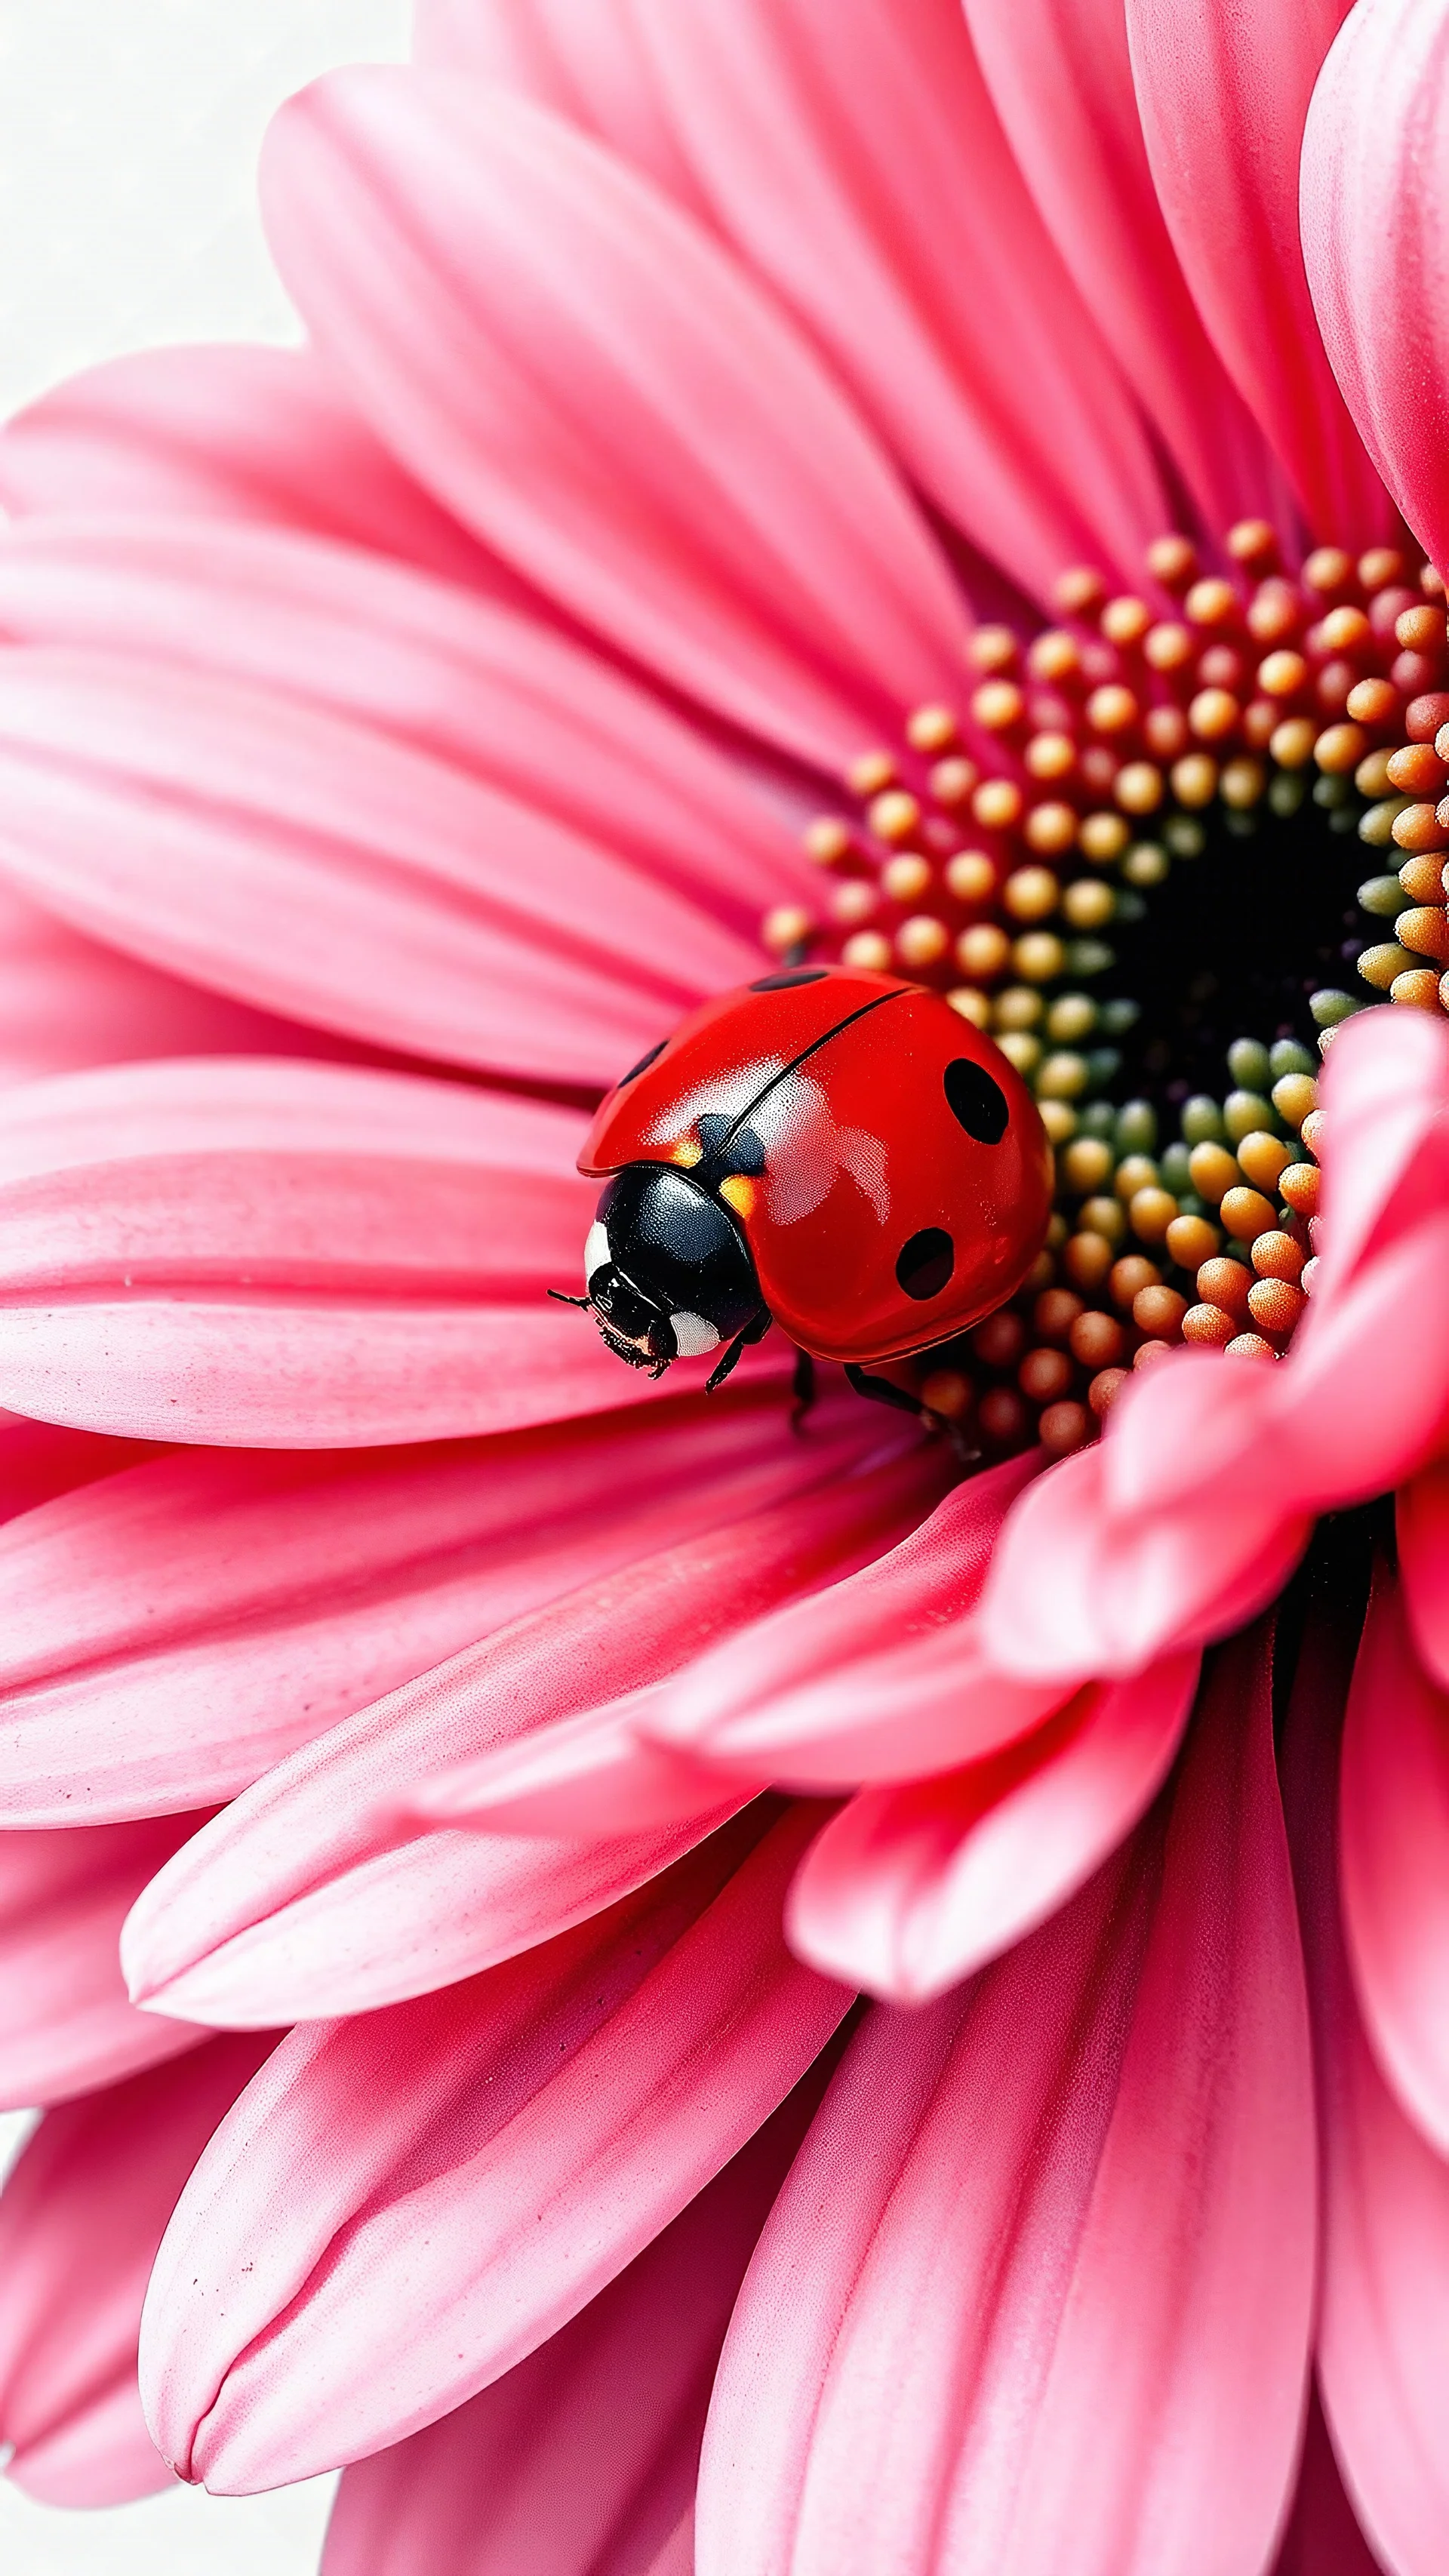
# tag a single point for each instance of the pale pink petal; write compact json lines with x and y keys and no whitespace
{"x":582,"y":2460}
{"x":1422,"y":1530}
{"x":910,"y":1890}
{"x":1323,"y":2537}
{"x":881,"y":1677}
{"x":441,"y":2187}
{"x":1037,"y":2294}
{"x":66,"y":2024}
{"x":597,"y":1774}
{"x":291,"y":1255}
{"x":1060,"y":77}
{"x":596,"y":387}
{"x":1387,"y":1087}
{"x":1383,"y":2335}
{"x":866,"y":175}
{"x":259,"y":435}
{"x":322,"y":1884}
{"x":477,"y":684}
{"x":1223,"y":95}
{"x":1394,"y":1840}
{"x":188,"y":817}
{"x":81,"y":2216}
{"x":170,"y":1632}
{"x":583,"y":58}
{"x":1373,"y":239}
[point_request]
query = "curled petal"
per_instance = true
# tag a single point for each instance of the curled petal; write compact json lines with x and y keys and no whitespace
{"x":881,"y":1676}
{"x":452,"y":2181}
{"x":262,"y":436}
{"x":1223,"y":95}
{"x":81,"y":2216}
{"x":186,"y":814}
{"x":598,"y":389}
{"x":911,"y":1889}
{"x":170,"y":1632}
{"x":1383,"y":2336}
{"x":323,"y":1883}
{"x":1394,"y":1828}
{"x":66,"y":2025}
{"x":1373,"y":239}
{"x":867,"y":223}
{"x":584,"y":2455}
{"x":1090,"y":2170}
{"x":1422,"y":1529}
{"x":1386,"y":1088}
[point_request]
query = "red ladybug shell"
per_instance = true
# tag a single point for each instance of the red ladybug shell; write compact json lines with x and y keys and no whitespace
{"x":886,"y":1164}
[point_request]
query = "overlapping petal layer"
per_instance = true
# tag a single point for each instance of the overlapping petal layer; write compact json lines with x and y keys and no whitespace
{"x":66,"y":2025}
{"x":1088,"y":2171}
{"x":454,"y":2180}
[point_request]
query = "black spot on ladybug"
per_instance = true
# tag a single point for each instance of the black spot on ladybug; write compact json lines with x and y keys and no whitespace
{"x":976,"y":1101}
{"x":924,"y":1265}
{"x":642,"y":1066}
{"x":785,"y":983}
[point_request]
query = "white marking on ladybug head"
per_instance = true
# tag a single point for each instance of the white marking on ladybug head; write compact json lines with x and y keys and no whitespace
{"x":597,"y":1255}
{"x":693,"y":1336}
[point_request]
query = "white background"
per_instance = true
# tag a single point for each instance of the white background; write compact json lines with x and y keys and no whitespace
{"x":128,"y":138}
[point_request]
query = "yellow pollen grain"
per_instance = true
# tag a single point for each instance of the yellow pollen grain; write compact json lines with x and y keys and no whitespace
{"x":1018,"y":1007}
{"x":931,"y":729}
{"x":953,"y":780}
{"x":1346,"y":630}
{"x":1112,"y":708}
{"x":1031,"y":894}
{"x":1089,"y":904}
{"x":1213,"y":714}
{"x":1328,"y":569}
{"x":973,"y":1006}
{"x":1135,"y":1172}
{"x":1340,"y":748}
{"x":1253,"y":544}
{"x":905,"y":879}
{"x":1079,"y":591}
{"x":873,"y":771}
{"x":1291,"y":743}
{"x":922,"y":940}
{"x":992,"y":648}
{"x":1282,"y":674}
{"x":1372,"y":702}
{"x":1125,"y":621}
{"x":827,"y":840}
{"x":740,"y":1194}
{"x":971,"y":876}
{"x":1380,"y":566}
{"x":1050,"y":828}
{"x":1211,"y":603}
{"x":868,"y":952}
{"x":1172,"y":560}
{"x":1053,"y":656}
{"x":1426,"y":931}
{"x":1168,"y":647}
{"x":854,"y":902}
{"x":998,"y":705}
{"x":1086,"y":1164}
{"x":1103,"y":1215}
{"x":1274,"y":612}
{"x":1039,"y":956}
{"x":1138,"y":787}
{"x":1146,"y":864}
{"x":980,"y":951}
{"x":895,"y":816}
{"x":1050,"y":756}
{"x":788,"y":926}
{"x":1418,"y":987}
{"x":1241,"y":784}
{"x":1072,"y":1016}
{"x":997,"y":805}
{"x":1103,"y":837}
{"x":1294,"y":1095}
{"x":1195,"y":780}
{"x":1263,"y":1157}
{"x":1381,"y":963}
{"x":1021,"y":1049}
{"x":1213,"y":1172}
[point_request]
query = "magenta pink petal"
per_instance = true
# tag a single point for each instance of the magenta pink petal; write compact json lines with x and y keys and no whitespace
{"x":473,"y":682}
{"x":1394,"y":1839}
{"x":66,"y":2024}
{"x":868,"y":225}
{"x":39,"y":1460}
{"x":881,"y":1676}
{"x":1383,"y":2336}
{"x":1323,"y":2537}
{"x":261,"y":436}
{"x":1422,"y":1531}
{"x":1061,"y":81}
{"x":81,"y":2217}
{"x":1373,"y":238}
{"x":581,"y":2460}
{"x":595,"y":1775}
{"x":184,"y":816}
{"x":452,"y":2181}
{"x":1065,"y":2219}
{"x":596,"y":387}
{"x":169,"y":1633}
{"x":583,"y":58}
{"x":292,"y":1255}
{"x":1223,"y":95}
{"x":911,"y":1889}
{"x":323,"y":1885}
{"x":1387,"y":1088}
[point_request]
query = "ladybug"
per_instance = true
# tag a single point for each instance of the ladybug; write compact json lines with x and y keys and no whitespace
{"x":835,"y":1151}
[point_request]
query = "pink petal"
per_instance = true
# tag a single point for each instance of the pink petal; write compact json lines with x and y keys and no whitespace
{"x":80,"y":2220}
{"x":596,"y":387}
{"x":910,"y":1890}
{"x":259,"y":435}
{"x":1038,"y":2291}
{"x":1323,"y":2537}
{"x":1387,"y":1088}
{"x":292,"y":1255}
{"x":868,"y":223}
{"x":473,"y":682}
{"x":320,"y":1883}
{"x":582,"y":2460}
{"x":170,"y":1632}
{"x":1422,"y":1519}
{"x":183,"y":816}
{"x":595,"y":1775}
{"x":1223,"y":96}
{"x":66,"y":2025}
{"x":39,"y":1461}
{"x":882,"y":1676}
{"x":1373,"y":240}
{"x":1383,"y":2336}
{"x":406,"y":2205}
{"x":586,"y":59}
{"x":1394,"y":1828}
{"x":1060,"y":79}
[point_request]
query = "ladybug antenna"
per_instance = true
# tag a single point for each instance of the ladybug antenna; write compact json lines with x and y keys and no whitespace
{"x":564,"y":1299}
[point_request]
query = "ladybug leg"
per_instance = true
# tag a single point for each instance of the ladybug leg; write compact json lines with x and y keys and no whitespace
{"x":803,"y":1389}
{"x":879,"y":1390}
{"x":753,"y":1332}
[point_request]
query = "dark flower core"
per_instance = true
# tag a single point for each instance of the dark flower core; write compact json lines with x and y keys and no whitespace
{"x":1163,"y":851}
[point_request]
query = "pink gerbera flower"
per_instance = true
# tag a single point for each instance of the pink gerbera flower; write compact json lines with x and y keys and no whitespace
{"x":508,"y":1770}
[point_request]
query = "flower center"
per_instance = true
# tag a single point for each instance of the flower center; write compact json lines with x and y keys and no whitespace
{"x":1137,"y":857}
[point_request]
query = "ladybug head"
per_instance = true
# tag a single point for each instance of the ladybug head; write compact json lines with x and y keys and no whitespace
{"x":668,"y":1272}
